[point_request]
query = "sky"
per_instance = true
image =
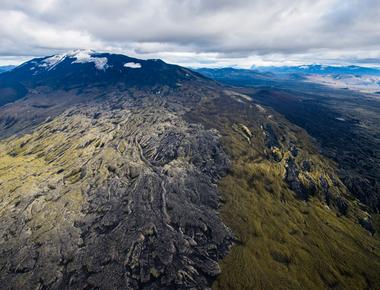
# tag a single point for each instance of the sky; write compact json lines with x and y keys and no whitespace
{"x":196,"y":33}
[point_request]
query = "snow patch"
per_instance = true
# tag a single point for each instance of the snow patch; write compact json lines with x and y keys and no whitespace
{"x":51,"y":62}
{"x":132,"y":65}
{"x":80,"y":56}
{"x":85,"y":56}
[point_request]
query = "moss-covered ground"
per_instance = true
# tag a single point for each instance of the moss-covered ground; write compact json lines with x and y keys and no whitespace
{"x":284,"y":242}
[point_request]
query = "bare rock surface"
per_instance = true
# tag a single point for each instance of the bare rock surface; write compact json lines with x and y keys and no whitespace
{"x":117,"y":194}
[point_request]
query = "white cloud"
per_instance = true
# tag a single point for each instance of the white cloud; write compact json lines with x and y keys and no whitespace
{"x":195,"y":32}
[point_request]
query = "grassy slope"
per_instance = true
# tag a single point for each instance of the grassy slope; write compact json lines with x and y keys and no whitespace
{"x":284,"y":242}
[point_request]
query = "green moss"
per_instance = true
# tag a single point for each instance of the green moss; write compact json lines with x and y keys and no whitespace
{"x":285,"y":243}
{"x":289,"y":244}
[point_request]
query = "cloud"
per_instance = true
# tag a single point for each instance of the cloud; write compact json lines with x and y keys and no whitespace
{"x":195,"y":32}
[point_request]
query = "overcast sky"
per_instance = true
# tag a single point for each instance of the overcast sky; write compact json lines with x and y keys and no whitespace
{"x":195,"y":32}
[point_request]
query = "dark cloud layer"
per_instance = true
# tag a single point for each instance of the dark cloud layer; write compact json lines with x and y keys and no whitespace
{"x":223,"y":32}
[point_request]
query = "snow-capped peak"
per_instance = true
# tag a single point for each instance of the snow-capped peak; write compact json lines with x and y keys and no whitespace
{"x":80,"y":56}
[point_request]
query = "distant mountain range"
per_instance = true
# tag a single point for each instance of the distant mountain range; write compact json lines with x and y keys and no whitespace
{"x":354,"y":78}
{"x":6,"y":68}
{"x":235,"y":73}
{"x":319,"y":69}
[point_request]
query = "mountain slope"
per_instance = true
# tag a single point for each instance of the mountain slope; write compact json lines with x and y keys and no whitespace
{"x":344,"y":123}
{"x":123,"y":188}
{"x":287,"y":240}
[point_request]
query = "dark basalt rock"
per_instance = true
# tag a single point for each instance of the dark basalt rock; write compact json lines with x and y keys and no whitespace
{"x":307,"y":165}
{"x":292,"y":179}
{"x":367,"y":224}
{"x":147,"y":216}
{"x":271,"y":139}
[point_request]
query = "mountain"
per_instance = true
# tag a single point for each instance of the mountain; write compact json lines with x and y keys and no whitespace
{"x":120,"y":173}
{"x":89,"y":67}
{"x":6,"y":68}
{"x":82,"y":67}
{"x":319,"y":69}
{"x":82,"y":71}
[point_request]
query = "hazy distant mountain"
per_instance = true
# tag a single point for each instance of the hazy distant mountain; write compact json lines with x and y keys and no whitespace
{"x":238,"y":76}
{"x":356,"y":78}
{"x":6,"y":68}
{"x":233,"y":75}
{"x":318,"y":69}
